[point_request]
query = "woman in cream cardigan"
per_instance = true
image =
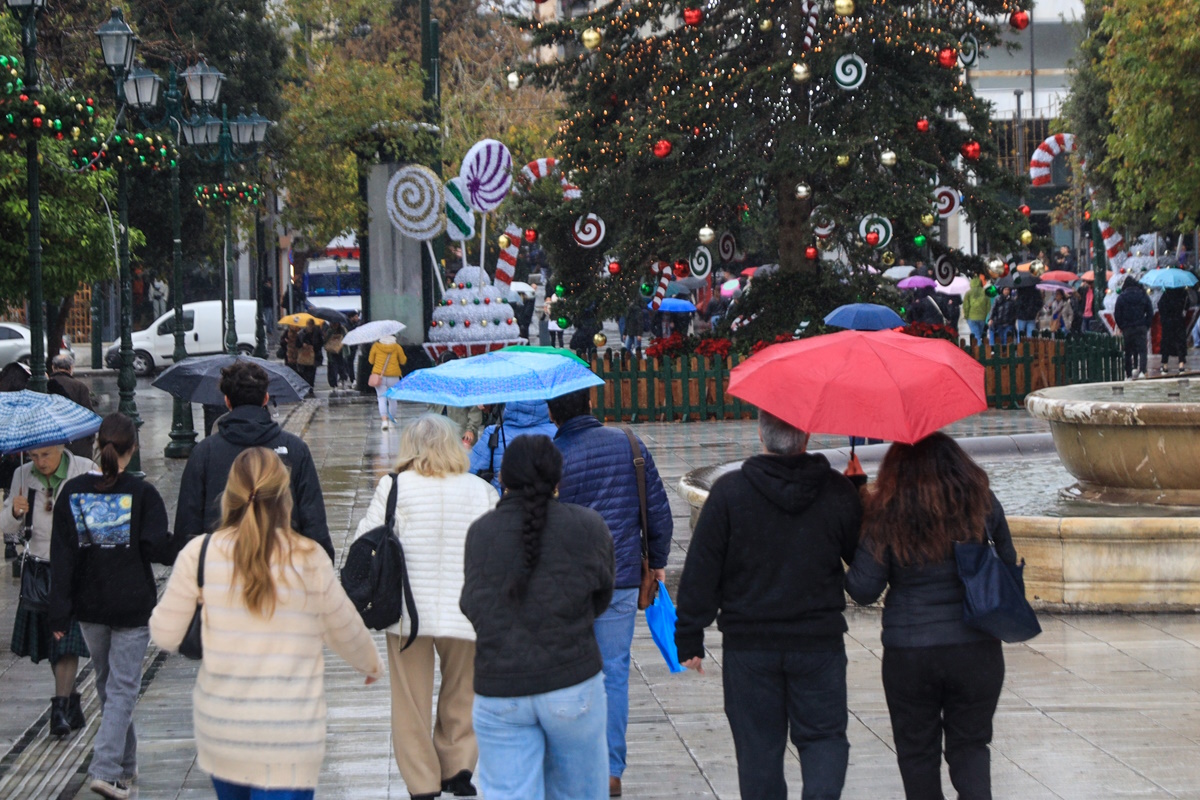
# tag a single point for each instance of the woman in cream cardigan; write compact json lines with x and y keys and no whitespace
{"x":271,"y":600}
{"x":436,"y":501}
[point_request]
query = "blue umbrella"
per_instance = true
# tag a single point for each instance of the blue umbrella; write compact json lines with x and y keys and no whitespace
{"x":864,"y":317}
{"x":1169,"y":278}
{"x":673,"y":305}
{"x":498,"y":377}
{"x":29,"y":420}
{"x":660,"y":619}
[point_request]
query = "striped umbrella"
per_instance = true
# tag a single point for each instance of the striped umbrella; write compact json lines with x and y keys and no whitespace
{"x":29,"y":420}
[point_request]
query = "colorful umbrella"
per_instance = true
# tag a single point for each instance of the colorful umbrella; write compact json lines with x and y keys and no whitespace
{"x":1060,"y":275}
{"x":749,"y":271}
{"x":917,"y":282}
{"x":1169,"y":278}
{"x":729,"y":287}
{"x":552,"y":351}
{"x":1054,"y":286}
{"x":674,"y":305}
{"x":373,"y":331}
{"x":1090,"y":275}
{"x":498,"y":377}
{"x":29,"y":420}
{"x":881,"y":384}
{"x":198,"y":380}
{"x":959,"y":286}
{"x":898,"y":273}
{"x":863,"y":317}
{"x":300,"y":320}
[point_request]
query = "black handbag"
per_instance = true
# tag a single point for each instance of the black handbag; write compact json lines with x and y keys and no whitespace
{"x":493,"y":442}
{"x":994,"y":600}
{"x":192,"y":645}
{"x":35,"y":573}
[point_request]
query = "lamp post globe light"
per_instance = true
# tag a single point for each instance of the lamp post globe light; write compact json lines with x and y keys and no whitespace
{"x":27,"y":12}
{"x":118,"y":45}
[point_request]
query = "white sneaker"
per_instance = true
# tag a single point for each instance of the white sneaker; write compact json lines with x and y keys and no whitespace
{"x":111,"y":789}
{"x":1141,"y":375}
{"x":383,"y":425}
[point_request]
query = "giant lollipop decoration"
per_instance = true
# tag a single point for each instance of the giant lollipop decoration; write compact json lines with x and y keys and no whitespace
{"x":460,"y":219}
{"x":416,"y":205}
{"x":487,"y":171}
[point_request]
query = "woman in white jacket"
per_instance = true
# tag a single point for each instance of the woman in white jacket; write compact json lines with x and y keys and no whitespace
{"x":436,"y":501}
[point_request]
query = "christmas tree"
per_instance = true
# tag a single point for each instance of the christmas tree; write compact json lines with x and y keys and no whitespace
{"x":773,"y":128}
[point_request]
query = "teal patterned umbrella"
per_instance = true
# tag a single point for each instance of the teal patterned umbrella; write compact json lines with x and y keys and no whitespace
{"x":29,"y":420}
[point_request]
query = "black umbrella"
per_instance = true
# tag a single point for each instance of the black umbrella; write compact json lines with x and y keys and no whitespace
{"x":198,"y":380}
{"x":330,"y":315}
{"x":1017,"y":280}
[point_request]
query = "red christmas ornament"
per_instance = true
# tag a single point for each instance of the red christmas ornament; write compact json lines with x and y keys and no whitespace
{"x":614,"y":267}
{"x":466,"y":323}
{"x":810,"y":253}
{"x":487,"y":301}
{"x":530,"y":235}
{"x":1026,"y":210}
{"x":695,"y":131}
{"x":693,"y":16}
{"x":872,"y":238}
{"x":923,"y":125}
{"x":510,"y":320}
{"x":682,"y":269}
{"x":1019,"y":20}
{"x":37,"y":122}
{"x":971,"y":150}
{"x":948,"y":57}
{"x":662,"y":148}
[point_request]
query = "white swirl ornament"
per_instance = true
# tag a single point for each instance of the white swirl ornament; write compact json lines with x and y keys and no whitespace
{"x":589,"y":231}
{"x":849,"y":72}
{"x":702,"y":262}
{"x":947,"y":201}
{"x":878,"y":224}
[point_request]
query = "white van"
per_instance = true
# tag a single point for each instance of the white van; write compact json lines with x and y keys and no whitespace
{"x":203,"y":325}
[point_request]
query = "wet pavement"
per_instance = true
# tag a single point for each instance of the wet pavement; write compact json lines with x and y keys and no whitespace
{"x":1099,"y":706}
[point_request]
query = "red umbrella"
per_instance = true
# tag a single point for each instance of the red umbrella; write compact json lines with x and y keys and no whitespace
{"x":1061,"y":275}
{"x":881,"y":384}
{"x":749,"y":271}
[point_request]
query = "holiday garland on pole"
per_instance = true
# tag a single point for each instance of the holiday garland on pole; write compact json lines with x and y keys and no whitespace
{"x":51,"y":114}
{"x":135,"y":150}
{"x":229,"y":193}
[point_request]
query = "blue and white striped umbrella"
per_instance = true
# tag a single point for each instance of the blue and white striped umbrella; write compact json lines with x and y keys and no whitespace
{"x":29,"y":420}
{"x":498,"y":377}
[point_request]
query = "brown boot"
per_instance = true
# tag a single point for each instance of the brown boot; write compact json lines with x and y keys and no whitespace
{"x":614,"y":787}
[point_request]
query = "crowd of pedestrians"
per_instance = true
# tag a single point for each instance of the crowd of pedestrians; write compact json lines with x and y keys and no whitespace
{"x":525,"y":545}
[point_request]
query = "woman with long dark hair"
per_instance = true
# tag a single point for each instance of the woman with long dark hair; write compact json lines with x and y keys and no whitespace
{"x":537,"y":574}
{"x":940,"y":677}
{"x":108,"y":529}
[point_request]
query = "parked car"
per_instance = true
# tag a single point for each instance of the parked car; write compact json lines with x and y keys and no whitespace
{"x":204,"y":335}
{"x":16,"y":343}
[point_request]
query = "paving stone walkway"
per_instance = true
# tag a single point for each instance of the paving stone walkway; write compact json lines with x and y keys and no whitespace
{"x":1099,"y":706}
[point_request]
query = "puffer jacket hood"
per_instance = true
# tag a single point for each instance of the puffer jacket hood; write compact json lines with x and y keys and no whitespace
{"x":249,"y":426}
{"x":527,"y":414}
{"x":792,"y":483}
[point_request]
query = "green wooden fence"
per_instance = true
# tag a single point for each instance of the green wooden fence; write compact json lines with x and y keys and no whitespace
{"x":694,"y":388}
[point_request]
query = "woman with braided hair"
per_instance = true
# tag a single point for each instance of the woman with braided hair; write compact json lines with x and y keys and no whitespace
{"x":537,"y":574}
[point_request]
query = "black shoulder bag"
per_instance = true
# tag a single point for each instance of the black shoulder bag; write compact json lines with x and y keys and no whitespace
{"x":498,"y":435}
{"x":994,"y":600}
{"x":35,"y":573}
{"x":192,"y":645}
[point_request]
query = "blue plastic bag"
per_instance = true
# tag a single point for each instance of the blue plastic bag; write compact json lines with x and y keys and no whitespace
{"x":660,"y":618}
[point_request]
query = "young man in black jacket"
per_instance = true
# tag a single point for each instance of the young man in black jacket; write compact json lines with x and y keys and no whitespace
{"x":766,"y":562}
{"x":248,"y":424}
{"x":1134,"y":314}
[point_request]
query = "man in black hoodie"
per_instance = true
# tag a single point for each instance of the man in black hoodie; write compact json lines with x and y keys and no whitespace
{"x":248,"y":424}
{"x":766,"y":562}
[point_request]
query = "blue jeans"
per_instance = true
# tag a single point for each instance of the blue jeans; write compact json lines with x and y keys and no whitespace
{"x":117,"y":655}
{"x":548,"y":745}
{"x":766,"y":692}
{"x":1026,"y":328}
{"x":237,"y":791}
{"x":978,"y":329}
{"x":1002,"y":334}
{"x":614,"y":634}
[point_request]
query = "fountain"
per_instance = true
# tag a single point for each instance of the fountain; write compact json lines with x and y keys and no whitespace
{"x":1126,"y":535}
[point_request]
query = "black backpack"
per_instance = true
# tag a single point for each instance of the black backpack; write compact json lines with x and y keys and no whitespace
{"x":375,"y":576}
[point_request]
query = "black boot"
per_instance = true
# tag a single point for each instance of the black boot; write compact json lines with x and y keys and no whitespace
{"x":460,"y":785}
{"x":10,"y":551}
{"x":16,"y":568}
{"x":59,"y":724}
{"x":75,"y":712}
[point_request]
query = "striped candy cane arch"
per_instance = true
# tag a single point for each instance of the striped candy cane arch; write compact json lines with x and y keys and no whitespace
{"x":1039,"y":175}
{"x":539,"y":168}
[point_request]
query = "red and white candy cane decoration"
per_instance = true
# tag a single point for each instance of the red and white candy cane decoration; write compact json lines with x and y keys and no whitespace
{"x":665,"y":274}
{"x":1039,"y":175}
{"x":506,"y":262}
{"x":742,"y":322}
{"x":810,"y":28}
{"x":536,"y":170}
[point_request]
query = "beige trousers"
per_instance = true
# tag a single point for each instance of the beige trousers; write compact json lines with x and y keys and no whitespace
{"x":425,"y":762}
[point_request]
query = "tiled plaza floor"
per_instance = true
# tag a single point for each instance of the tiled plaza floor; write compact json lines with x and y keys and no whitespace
{"x":1097,"y":707}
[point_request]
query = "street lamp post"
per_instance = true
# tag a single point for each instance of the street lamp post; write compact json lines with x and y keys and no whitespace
{"x":26,"y":12}
{"x":118,"y":44}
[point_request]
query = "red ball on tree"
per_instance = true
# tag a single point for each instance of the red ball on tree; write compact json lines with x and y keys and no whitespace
{"x":466,"y":323}
{"x":811,"y":253}
{"x":947,"y":57}
{"x":1024,"y":209}
{"x":614,"y":267}
{"x":923,"y":125}
{"x":872,"y":238}
{"x":971,"y":150}
{"x":682,"y":269}
{"x":662,"y":148}
{"x":1019,"y":20}
{"x":692,"y":16}
{"x":530,"y":235}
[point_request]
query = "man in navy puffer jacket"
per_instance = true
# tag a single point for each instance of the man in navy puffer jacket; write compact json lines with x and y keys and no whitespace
{"x":598,"y":472}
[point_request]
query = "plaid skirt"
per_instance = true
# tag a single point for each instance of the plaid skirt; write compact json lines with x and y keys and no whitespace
{"x":33,"y":638}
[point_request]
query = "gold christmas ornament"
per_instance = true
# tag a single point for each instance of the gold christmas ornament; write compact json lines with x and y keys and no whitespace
{"x":888,"y":158}
{"x":803,"y":192}
{"x":800,"y":72}
{"x":591,"y":38}
{"x":996,"y":268}
{"x":1026,"y":237}
{"x":599,"y":340}
{"x":504,"y":241}
{"x":765,"y":25}
{"x":843,"y":7}
{"x":1037,"y":267}
{"x":707,"y":235}
{"x":888,"y":258}
{"x":928,"y":219}
{"x":843,"y":160}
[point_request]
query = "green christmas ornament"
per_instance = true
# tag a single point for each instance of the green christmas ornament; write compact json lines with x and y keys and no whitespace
{"x":991,"y":291}
{"x":564,"y":323}
{"x":647,"y":289}
{"x":560,"y":290}
{"x":920,"y":239}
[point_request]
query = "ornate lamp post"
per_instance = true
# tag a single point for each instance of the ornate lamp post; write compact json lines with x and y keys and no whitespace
{"x":26,"y":12}
{"x":118,"y":44}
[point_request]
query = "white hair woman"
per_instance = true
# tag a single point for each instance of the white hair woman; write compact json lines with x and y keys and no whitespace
{"x":437,"y":499}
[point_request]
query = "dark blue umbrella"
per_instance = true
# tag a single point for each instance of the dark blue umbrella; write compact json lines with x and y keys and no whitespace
{"x":673,"y":305}
{"x":29,"y":420}
{"x":864,"y":317}
{"x":198,"y":380}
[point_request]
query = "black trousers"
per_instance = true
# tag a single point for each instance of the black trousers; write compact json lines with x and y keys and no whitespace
{"x":335,"y":368}
{"x":950,"y":691}
{"x":1135,"y":351}
{"x":768,"y":692}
